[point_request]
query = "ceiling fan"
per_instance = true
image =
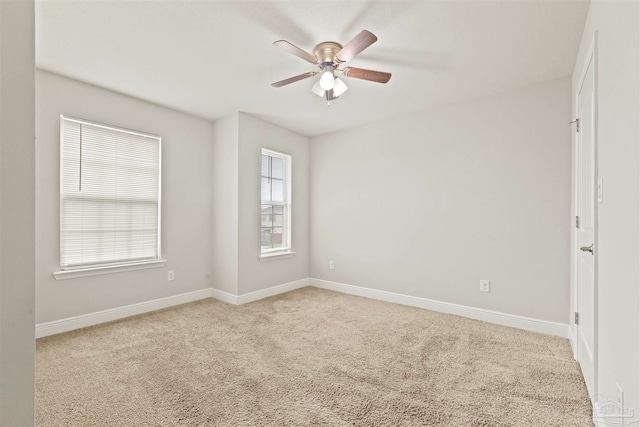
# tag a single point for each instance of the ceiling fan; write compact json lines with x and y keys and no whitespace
{"x":329,"y":56}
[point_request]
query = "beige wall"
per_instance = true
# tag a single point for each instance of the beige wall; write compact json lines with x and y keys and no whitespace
{"x":17,"y":213}
{"x":186,"y":200}
{"x":617,"y":243}
{"x":429,"y":203}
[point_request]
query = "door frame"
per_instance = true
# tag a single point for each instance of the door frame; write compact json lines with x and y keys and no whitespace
{"x":590,"y":58}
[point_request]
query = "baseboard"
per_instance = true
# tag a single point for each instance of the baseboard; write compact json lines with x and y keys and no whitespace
{"x":82,"y":321}
{"x":90,"y":319}
{"x":597,"y":421}
{"x":224,"y":296}
{"x":527,"y":323}
{"x":572,"y":336}
{"x":258,"y":295}
{"x":273,"y":290}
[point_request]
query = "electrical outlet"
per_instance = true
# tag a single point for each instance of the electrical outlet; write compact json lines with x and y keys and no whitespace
{"x":332,"y":265}
{"x":485,"y":286}
{"x":171,"y":275}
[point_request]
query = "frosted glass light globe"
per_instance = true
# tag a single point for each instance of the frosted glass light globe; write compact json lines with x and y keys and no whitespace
{"x":327,"y":80}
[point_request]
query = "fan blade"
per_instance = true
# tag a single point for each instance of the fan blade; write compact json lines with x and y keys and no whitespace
{"x":283,"y":44}
{"x":294,"y":79}
{"x":372,"y":76}
{"x":363,"y":40}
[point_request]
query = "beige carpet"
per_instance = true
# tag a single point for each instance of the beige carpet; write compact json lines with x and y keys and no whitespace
{"x":308,"y":357}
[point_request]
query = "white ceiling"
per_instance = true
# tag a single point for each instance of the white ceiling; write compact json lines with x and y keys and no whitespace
{"x":211,"y":58}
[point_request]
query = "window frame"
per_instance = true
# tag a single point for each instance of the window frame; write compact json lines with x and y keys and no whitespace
{"x":88,"y":269}
{"x":285,"y":250}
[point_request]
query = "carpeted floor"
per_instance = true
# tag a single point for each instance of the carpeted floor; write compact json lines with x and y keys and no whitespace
{"x":308,"y":357}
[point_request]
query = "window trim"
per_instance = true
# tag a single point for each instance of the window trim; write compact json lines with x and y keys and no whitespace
{"x":271,"y":256}
{"x":109,"y":267}
{"x":285,"y":252}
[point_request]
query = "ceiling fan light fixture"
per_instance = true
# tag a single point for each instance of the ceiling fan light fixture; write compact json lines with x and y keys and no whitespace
{"x":328,"y":56}
{"x":317,"y":89}
{"x":327,"y":80}
{"x":339,"y":87}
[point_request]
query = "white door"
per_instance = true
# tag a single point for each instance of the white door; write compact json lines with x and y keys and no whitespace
{"x":586,"y":230}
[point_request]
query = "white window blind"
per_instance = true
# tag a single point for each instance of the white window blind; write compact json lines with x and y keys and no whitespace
{"x":275,"y":212}
{"x":109,"y":195}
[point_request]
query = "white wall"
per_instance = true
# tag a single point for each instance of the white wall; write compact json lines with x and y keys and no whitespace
{"x":238,"y":141}
{"x":617,"y":245}
{"x":17,"y":213}
{"x":210,"y":202}
{"x":186,"y":200}
{"x":224,"y":214}
{"x":428,"y":204}
{"x":254,"y":134}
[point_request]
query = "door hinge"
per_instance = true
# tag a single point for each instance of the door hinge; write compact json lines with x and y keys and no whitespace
{"x":575,"y":318}
{"x":577,"y":221}
{"x":577,"y":122}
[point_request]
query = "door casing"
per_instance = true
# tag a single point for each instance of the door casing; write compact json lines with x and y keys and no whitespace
{"x":590,"y":57}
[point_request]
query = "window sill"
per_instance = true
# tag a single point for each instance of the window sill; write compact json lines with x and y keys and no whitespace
{"x":95,"y":271}
{"x":275,"y":255}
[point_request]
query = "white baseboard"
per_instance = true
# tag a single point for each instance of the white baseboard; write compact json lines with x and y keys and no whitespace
{"x":224,"y":296}
{"x":527,"y":323}
{"x":258,"y":295}
{"x":598,"y":422}
{"x":82,"y":321}
{"x":572,"y":336}
{"x":273,"y":290}
{"x":90,"y":319}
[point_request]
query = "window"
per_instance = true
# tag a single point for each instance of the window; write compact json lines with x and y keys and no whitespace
{"x":109,"y":196}
{"x":275,"y":223}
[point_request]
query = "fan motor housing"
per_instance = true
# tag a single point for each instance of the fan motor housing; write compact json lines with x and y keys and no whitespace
{"x":326,"y":52}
